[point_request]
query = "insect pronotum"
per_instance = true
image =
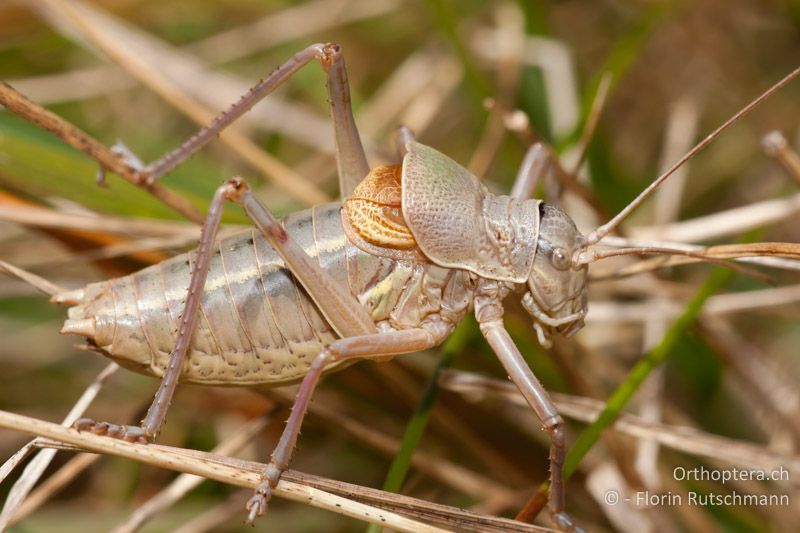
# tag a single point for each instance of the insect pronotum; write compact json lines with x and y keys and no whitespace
{"x":410,"y":251}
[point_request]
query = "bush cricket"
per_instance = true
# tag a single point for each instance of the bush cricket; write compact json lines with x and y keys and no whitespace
{"x":411,"y":249}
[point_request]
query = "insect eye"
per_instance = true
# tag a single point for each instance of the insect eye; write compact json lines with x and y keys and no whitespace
{"x":561,"y":259}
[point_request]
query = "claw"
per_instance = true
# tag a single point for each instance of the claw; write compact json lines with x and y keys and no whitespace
{"x":256,"y":506}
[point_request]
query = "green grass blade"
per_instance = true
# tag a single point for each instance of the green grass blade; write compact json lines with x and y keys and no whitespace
{"x":658,"y":355}
{"x":446,"y":20}
{"x":42,"y":166}
{"x":622,"y":395}
{"x":419,"y":420}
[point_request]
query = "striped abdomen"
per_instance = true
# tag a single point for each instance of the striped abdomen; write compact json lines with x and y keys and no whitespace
{"x":256,"y":325}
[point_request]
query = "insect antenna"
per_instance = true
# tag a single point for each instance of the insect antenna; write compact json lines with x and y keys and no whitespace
{"x":601,"y":231}
{"x":591,"y":255}
{"x":35,"y":281}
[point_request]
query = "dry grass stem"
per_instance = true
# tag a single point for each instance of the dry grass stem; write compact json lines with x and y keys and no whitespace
{"x":217,"y":515}
{"x":272,"y":30}
{"x":769,"y":382}
{"x":555,"y":60}
{"x":775,"y":145}
{"x":593,"y":118}
{"x":181,"y":485}
{"x":122,"y":43}
{"x":49,"y":218}
{"x":212,"y":467}
{"x":74,"y":85}
{"x":681,"y":131}
{"x":471,"y":483}
{"x":722,"y":224}
{"x":720,"y":304}
{"x":288,"y":24}
{"x":451,"y":517}
{"x":449,"y":422}
{"x":685,"y":439}
{"x":420,"y":113}
{"x":47,"y":287}
{"x":35,"y":469}
{"x":509,"y":47}
{"x":412,"y":94}
{"x":16,"y":102}
{"x":312,"y":490}
{"x":132,"y":248}
{"x":597,"y":234}
{"x":12,"y":462}
{"x":53,"y":484}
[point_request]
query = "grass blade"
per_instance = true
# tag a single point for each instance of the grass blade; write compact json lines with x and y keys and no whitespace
{"x":419,"y":420}
{"x":654,"y":358}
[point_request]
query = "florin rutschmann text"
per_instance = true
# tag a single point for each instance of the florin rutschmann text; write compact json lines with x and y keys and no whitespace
{"x":646,"y":498}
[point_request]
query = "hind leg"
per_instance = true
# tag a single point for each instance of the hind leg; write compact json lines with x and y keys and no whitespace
{"x":351,"y":160}
{"x":158,"y":409}
{"x":365,"y":346}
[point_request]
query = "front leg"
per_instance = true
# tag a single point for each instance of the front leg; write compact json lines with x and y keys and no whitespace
{"x":539,"y":400}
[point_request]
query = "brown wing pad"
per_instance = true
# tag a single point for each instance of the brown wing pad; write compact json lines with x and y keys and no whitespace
{"x":375,"y":212}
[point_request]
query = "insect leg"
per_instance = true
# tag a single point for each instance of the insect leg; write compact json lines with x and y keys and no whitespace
{"x":365,"y":346}
{"x":351,"y":160}
{"x":537,"y":164}
{"x":402,"y":136}
{"x":158,"y":409}
{"x":539,"y":400}
{"x":340,"y":308}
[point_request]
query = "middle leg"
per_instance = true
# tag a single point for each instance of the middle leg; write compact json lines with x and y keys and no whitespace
{"x":537,"y":164}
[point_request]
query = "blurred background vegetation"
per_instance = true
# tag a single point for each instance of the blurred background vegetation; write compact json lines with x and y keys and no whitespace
{"x":455,"y":72}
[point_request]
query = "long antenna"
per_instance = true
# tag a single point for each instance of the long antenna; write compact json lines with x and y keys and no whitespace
{"x":606,"y":228}
{"x":593,"y":255}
